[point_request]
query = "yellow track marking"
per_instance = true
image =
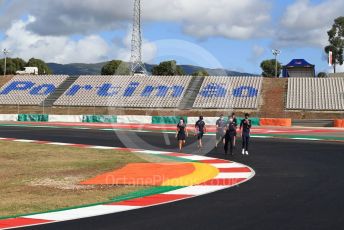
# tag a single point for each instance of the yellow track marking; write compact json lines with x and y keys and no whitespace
{"x":202,"y":173}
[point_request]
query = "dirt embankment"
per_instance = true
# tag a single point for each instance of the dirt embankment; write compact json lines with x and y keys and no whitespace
{"x":4,"y":80}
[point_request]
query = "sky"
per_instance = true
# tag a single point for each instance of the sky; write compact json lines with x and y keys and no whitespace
{"x":231,"y":34}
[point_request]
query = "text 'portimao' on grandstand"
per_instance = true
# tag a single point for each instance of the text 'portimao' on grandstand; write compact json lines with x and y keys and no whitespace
{"x":134,"y":91}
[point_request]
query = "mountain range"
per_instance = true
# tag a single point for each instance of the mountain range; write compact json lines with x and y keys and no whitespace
{"x":95,"y":69}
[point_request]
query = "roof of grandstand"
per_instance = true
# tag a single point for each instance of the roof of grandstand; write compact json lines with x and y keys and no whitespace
{"x":299,"y":68}
{"x":299,"y":63}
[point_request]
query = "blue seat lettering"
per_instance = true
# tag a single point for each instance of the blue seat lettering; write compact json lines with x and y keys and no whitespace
{"x":214,"y":90}
{"x":245,"y":91}
{"x":108,"y":90}
{"x":130,"y":90}
{"x":18,"y":86}
{"x":76,"y":88}
{"x":44,"y":89}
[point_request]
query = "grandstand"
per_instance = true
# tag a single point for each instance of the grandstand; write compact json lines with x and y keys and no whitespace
{"x":229,"y":92}
{"x":134,"y":91}
{"x":316,"y":94}
{"x":126,"y":91}
{"x":29,"y":90}
{"x":336,"y":75}
{"x":297,"y":98}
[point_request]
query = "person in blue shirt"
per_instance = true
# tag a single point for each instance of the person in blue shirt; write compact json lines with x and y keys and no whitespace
{"x":245,"y":127}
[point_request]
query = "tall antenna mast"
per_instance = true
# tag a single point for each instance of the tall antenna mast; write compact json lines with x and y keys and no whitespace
{"x":137,"y":65}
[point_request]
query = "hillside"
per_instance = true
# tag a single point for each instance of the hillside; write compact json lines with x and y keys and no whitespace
{"x":95,"y":69}
{"x":76,"y":68}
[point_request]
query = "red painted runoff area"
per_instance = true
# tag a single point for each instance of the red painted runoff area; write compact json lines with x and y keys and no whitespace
{"x":19,"y":222}
{"x":234,"y":170}
{"x":224,"y":182}
{"x":152,"y":200}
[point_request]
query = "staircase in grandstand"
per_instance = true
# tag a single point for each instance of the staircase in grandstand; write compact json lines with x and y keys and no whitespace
{"x":59,"y":92}
{"x":191,"y":93}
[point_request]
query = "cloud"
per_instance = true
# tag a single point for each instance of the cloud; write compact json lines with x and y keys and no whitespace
{"x":65,"y":17}
{"x":206,"y":18}
{"x":10,"y":11}
{"x":62,"y":49}
{"x":26,"y":44}
{"x":305,"y":23}
{"x":201,"y":18}
{"x":149,"y":49}
{"x":257,"y":53}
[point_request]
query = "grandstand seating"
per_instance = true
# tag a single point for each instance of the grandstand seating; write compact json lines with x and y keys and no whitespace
{"x":336,"y":75}
{"x":126,"y":91}
{"x":315,"y":94}
{"x":29,"y":90}
{"x":229,"y":92}
{"x":324,"y":94}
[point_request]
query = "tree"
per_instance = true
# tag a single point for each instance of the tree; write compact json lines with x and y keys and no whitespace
{"x":19,"y":63}
{"x":201,"y":73}
{"x":12,"y":65}
{"x":336,"y":42}
{"x":269,"y":68}
{"x":168,"y":68}
{"x":115,"y":67}
{"x":41,"y":65}
{"x":322,"y":75}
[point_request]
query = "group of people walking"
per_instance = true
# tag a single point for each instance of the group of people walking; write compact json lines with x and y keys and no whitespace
{"x":182,"y":132}
{"x":226,"y":132}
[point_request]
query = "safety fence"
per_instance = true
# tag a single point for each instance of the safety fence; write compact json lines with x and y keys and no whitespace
{"x":127,"y":119}
{"x":132,"y":119}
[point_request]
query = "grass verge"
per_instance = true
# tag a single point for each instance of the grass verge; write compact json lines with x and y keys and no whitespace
{"x":38,"y":178}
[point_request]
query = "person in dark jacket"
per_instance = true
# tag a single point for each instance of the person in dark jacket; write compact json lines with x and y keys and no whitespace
{"x":200,"y":130}
{"x":229,"y":136}
{"x":245,"y":127}
{"x":235,"y":121}
{"x":220,"y":130}
{"x":181,"y":134}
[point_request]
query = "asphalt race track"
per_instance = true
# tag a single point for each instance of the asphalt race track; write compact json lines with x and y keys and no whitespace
{"x":299,"y":185}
